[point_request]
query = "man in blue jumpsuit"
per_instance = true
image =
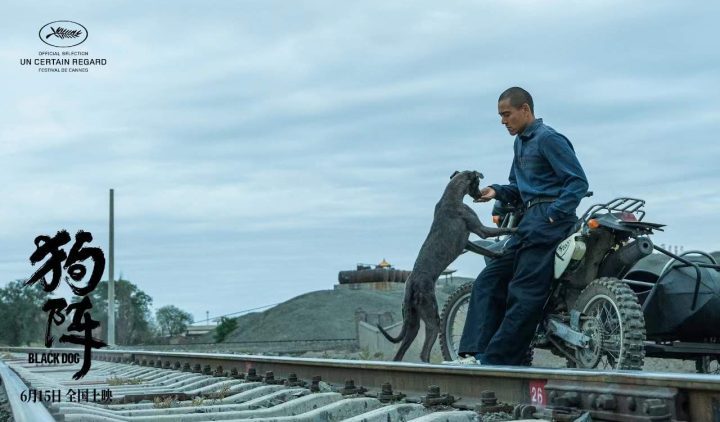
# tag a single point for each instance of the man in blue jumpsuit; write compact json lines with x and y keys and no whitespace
{"x":508,"y":296}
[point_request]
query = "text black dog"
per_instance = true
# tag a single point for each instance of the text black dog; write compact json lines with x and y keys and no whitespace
{"x":449,"y":233}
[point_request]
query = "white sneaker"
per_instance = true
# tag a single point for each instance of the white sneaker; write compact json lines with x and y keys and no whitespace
{"x":467,"y":360}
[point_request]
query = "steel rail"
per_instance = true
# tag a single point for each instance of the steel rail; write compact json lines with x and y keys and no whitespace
{"x":665,"y":379}
{"x":22,"y":412}
{"x":496,"y":373}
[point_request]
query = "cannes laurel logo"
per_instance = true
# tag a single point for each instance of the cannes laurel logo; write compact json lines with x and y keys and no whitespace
{"x":63,"y":34}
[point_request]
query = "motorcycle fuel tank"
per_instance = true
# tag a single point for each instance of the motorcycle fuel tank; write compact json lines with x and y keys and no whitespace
{"x":570,"y":249}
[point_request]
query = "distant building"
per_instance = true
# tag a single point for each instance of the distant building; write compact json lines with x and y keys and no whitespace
{"x":198,"y":330}
{"x":382,"y":277}
{"x":383,"y":264}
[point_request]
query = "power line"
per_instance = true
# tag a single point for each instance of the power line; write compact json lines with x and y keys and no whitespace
{"x":235,"y":313}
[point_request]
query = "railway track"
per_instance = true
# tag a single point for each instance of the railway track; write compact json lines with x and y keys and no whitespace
{"x":174,"y":386}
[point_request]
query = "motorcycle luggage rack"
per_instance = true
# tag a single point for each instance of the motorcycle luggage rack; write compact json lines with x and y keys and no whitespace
{"x":634,"y":205}
{"x":622,"y":204}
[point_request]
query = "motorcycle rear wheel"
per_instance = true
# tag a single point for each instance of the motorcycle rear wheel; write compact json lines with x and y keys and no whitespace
{"x":615,"y":324}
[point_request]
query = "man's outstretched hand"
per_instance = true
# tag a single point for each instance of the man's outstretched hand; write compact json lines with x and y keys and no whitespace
{"x":486,"y":194}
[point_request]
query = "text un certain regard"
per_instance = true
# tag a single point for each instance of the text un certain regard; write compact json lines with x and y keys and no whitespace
{"x":69,"y":62}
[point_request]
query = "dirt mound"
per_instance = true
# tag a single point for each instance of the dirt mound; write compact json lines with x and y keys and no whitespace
{"x":324,"y":314}
{"x":320,"y":315}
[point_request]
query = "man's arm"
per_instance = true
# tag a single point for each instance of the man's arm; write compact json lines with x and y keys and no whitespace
{"x":509,"y":192}
{"x":561,"y":156}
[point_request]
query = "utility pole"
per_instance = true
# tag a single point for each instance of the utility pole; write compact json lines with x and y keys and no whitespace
{"x":111,"y":276}
{"x":207,"y":317}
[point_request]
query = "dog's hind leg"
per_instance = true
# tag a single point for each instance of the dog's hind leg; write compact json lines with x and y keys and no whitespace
{"x":412,"y":323}
{"x":429,"y":315}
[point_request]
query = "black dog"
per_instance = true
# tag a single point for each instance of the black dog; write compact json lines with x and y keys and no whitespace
{"x":449,"y":233}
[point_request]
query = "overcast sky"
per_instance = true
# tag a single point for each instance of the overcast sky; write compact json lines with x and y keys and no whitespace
{"x":257,"y":148}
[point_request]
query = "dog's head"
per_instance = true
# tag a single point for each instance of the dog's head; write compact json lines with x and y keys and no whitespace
{"x":472,"y":179}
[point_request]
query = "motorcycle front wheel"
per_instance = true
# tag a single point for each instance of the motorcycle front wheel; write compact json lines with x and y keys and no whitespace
{"x":452,"y":321}
{"x":613,"y":319}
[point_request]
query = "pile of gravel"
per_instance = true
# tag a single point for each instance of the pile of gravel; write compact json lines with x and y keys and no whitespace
{"x":324,"y":314}
{"x":320,"y":315}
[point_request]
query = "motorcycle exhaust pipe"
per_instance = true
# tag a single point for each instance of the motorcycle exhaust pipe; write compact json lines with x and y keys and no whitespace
{"x":621,"y":261}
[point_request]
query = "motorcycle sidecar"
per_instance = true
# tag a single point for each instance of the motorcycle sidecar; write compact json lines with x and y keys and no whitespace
{"x":680,"y":298}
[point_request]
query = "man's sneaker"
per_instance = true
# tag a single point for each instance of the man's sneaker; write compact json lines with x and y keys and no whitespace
{"x":467,"y":360}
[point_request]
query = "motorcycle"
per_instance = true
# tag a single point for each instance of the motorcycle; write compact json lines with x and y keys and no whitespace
{"x":612,"y":300}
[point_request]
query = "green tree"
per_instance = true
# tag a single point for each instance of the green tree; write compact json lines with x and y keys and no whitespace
{"x":133,"y":319}
{"x":22,"y":320}
{"x":172,"y":320}
{"x":226,"y":326}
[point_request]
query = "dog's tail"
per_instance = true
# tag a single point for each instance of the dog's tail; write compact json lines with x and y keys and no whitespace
{"x":391,"y":338}
{"x":403,"y":330}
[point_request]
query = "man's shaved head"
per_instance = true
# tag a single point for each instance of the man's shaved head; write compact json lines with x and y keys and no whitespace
{"x":518,"y":97}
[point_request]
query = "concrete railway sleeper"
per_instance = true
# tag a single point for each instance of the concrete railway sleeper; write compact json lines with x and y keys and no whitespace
{"x":170,"y":386}
{"x":234,"y":399}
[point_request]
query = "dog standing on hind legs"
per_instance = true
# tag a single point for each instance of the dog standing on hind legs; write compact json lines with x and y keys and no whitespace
{"x":451,"y":227}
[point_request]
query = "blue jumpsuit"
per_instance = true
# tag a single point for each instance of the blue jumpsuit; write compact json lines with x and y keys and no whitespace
{"x":508,"y":296}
